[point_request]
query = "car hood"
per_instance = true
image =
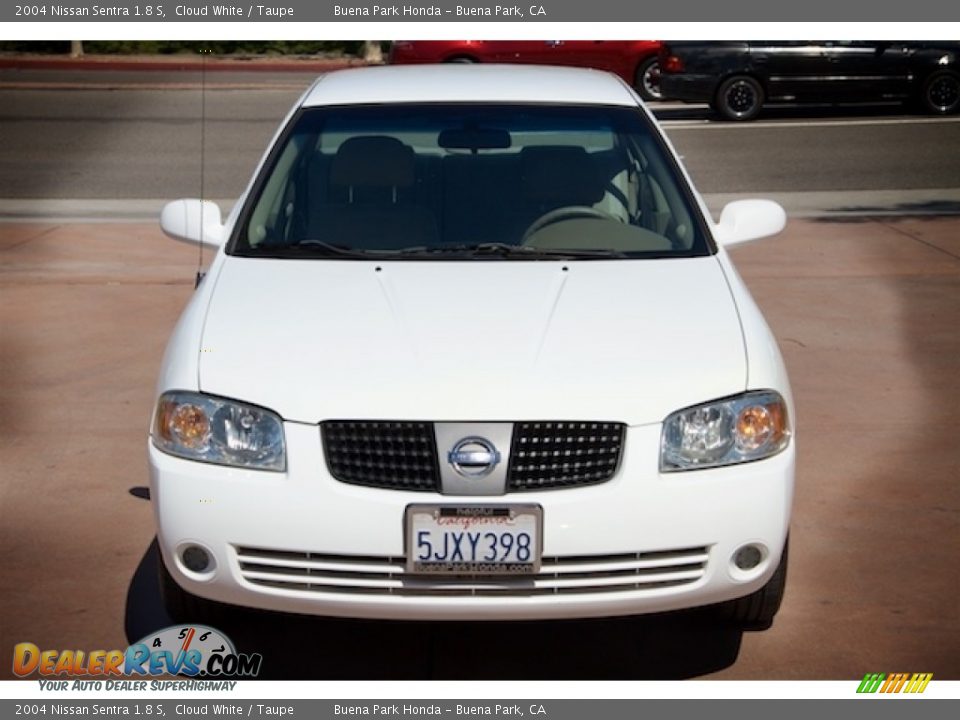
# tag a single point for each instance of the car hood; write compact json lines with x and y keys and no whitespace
{"x":627,"y":341}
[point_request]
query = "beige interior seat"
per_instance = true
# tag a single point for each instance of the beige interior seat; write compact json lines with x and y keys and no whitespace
{"x":370,"y":203}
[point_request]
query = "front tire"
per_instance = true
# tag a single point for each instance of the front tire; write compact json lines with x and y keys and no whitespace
{"x":757,"y":610}
{"x":941,"y":93}
{"x":739,"y":98}
{"x":647,"y":79}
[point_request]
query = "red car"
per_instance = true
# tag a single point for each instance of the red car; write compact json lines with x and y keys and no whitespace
{"x":633,"y":60}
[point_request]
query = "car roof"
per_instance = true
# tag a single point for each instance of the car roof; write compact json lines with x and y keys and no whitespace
{"x":488,"y":83}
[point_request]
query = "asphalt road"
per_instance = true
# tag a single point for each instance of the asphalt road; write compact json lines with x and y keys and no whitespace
{"x":139,"y":135}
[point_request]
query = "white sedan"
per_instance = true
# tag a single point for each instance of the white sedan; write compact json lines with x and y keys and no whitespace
{"x":471,"y":348}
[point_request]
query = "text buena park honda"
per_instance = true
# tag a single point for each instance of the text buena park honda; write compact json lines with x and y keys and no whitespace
{"x":434,"y":11}
{"x":513,"y":710}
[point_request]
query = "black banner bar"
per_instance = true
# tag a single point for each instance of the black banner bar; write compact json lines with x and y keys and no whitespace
{"x":164,"y":11}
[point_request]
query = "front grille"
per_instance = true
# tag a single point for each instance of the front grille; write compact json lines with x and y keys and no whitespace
{"x":396,"y":455}
{"x":366,"y":575}
{"x":563,"y":454}
{"x":403,"y":455}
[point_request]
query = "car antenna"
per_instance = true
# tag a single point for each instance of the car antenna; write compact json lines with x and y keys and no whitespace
{"x":203,"y":127}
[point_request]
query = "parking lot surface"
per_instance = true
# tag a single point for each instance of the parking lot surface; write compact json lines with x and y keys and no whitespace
{"x":865,"y":310}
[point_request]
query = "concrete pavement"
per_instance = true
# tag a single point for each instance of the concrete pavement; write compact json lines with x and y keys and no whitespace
{"x":865,"y":311}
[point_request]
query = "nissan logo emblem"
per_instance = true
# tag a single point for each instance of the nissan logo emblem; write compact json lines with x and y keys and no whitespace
{"x":473,"y":457}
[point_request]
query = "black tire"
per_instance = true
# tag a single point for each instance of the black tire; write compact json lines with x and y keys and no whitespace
{"x":184,"y":607}
{"x":461,"y":60}
{"x":739,"y":98}
{"x":647,"y":79}
{"x":940,"y":94}
{"x":757,"y":610}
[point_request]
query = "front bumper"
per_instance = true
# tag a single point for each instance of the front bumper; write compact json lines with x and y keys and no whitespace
{"x":303,"y":542}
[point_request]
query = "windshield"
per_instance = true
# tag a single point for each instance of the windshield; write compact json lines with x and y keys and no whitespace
{"x":452,"y":181}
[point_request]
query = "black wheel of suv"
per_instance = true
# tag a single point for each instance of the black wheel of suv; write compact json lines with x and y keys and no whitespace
{"x":461,"y":60}
{"x":185,"y":607}
{"x":941,"y":93}
{"x":739,"y":98}
{"x":647,"y":79}
{"x":757,"y":610}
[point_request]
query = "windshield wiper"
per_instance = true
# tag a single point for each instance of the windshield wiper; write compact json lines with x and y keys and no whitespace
{"x":505,"y":250}
{"x":313,"y":248}
{"x":319,"y":248}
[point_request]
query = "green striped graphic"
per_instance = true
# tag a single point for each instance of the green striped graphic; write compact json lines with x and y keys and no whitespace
{"x":871,"y":682}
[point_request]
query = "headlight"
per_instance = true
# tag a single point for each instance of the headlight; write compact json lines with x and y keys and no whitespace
{"x":747,"y":427}
{"x":213,"y":430}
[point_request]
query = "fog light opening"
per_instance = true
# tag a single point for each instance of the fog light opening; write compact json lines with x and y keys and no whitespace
{"x":748,"y":557}
{"x":196,"y":559}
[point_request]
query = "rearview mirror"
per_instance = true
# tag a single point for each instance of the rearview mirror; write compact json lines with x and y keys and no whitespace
{"x":193,"y":221}
{"x":474,"y":139}
{"x":745,"y":220}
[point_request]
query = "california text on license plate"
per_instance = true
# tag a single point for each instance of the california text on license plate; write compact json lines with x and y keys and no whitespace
{"x":474,"y":540}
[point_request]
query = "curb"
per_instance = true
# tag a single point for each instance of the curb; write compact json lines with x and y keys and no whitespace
{"x":177,"y":64}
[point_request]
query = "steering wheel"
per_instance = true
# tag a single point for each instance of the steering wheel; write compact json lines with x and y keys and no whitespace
{"x":568,"y":212}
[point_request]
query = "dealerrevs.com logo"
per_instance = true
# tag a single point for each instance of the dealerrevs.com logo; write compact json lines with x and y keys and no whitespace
{"x":912,"y":683}
{"x":194,"y":651}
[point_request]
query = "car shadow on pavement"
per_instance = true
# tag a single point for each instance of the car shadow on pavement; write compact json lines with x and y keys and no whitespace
{"x":904,"y":210}
{"x":666,"y":646}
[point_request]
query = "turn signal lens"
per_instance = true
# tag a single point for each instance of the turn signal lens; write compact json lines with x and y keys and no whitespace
{"x":190,"y":426}
{"x":754,"y":427}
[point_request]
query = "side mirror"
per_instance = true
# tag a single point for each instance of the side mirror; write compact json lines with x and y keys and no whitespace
{"x":745,"y":220}
{"x":193,"y":221}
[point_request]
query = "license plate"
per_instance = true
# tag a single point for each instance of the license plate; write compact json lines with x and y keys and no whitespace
{"x":474,"y":540}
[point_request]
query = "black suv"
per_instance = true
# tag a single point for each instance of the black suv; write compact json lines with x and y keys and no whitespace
{"x":737,"y":78}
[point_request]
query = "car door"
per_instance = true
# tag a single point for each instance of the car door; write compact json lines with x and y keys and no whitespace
{"x":537,"y":52}
{"x":791,"y":70}
{"x":602,"y":54}
{"x":867,"y":70}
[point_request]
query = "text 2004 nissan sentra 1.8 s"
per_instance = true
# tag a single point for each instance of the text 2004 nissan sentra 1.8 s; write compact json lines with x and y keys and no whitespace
{"x":472,"y":348}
